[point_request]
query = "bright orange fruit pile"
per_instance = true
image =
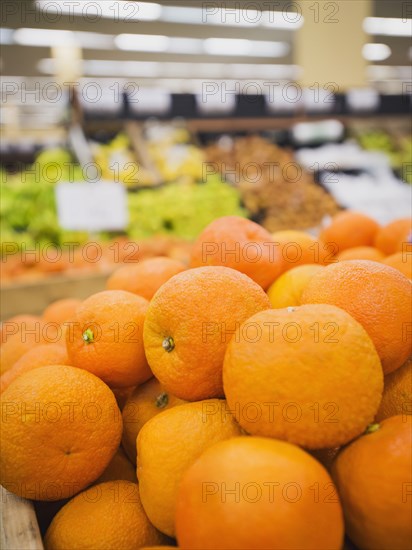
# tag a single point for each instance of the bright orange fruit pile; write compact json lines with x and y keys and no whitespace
{"x":259,"y":399}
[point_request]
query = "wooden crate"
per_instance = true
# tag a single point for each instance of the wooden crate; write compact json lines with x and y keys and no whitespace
{"x":33,"y":297}
{"x":19,"y":529}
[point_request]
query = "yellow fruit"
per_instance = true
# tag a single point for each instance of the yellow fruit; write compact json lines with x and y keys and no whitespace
{"x":288,"y":288}
{"x":168,"y":444}
{"x":146,"y":401}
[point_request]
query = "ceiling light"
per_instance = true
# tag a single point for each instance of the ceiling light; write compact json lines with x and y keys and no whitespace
{"x":227,"y":46}
{"x":185,"y":45}
{"x":148,"y":69}
{"x":256,"y":48}
{"x":239,"y":17}
{"x":376,"y":52}
{"x":6,"y":36}
{"x":117,"y":10}
{"x":43,"y":37}
{"x":142,"y":42}
{"x":387,"y":26}
{"x":51,"y":37}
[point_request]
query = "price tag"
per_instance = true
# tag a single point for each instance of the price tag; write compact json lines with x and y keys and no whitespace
{"x":91,"y":207}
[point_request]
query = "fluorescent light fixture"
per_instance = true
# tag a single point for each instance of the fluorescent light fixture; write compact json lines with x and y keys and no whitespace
{"x":210,"y":46}
{"x":387,"y":26}
{"x":256,"y":48}
{"x":261,"y":48}
{"x":95,"y":40}
{"x":238,"y":17}
{"x":6,"y":36}
{"x":389,"y":72}
{"x":43,"y":37}
{"x":289,"y":21}
{"x":142,"y":42}
{"x":376,"y":52}
{"x":185,"y":45}
{"x":227,"y":46}
{"x":117,"y":10}
{"x":149,"y":69}
{"x":51,"y":37}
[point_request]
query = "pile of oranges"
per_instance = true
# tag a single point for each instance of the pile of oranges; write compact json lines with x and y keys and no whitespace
{"x":259,"y":398}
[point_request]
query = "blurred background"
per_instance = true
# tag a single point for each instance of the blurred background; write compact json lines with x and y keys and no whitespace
{"x":126,"y":121}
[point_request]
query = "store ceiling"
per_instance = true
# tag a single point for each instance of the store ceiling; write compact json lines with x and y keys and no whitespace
{"x":25,"y":60}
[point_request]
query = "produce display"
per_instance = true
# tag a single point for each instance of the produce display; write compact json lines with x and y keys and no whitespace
{"x":254,"y":396}
{"x":399,"y":150}
{"x":274,"y":188}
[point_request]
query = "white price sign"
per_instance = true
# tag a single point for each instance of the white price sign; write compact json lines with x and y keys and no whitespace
{"x":98,"y":206}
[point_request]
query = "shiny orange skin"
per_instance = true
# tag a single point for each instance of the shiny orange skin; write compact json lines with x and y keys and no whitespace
{"x":349,"y":229}
{"x":60,"y":430}
{"x":402,"y":261}
{"x":109,"y":515}
{"x":20,"y":337}
{"x":240,"y":244}
{"x":168,"y":444}
{"x":8,"y":327}
{"x":395,"y":236}
{"x":146,"y":277}
{"x":253,"y":492}
{"x":113,"y":350}
{"x":374,"y":476}
{"x":61,"y":310}
{"x":39,"y":356}
{"x":189,"y":323}
{"x":300,"y":248}
{"x":146,"y":401}
{"x":376,"y":295}
{"x":309,"y":375}
{"x":397,"y":393}
{"x":361,"y":253}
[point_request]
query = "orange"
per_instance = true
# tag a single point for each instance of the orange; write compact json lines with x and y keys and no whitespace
{"x":241,"y":244}
{"x":118,"y":468}
{"x":19,"y":338}
{"x":349,"y":229}
{"x":146,"y":277}
{"x":61,"y":310}
{"x":308,"y":374}
{"x":39,"y":356}
{"x":18,"y":344}
{"x":395,"y":236}
{"x":377,"y":296}
{"x":374,"y":479}
{"x":361,"y":253}
{"x":397,"y":393}
{"x":253,"y":492}
{"x":109,"y":516}
{"x":145,"y":402}
{"x":402,"y":261}
{"x":13,"y":325}
{"x":300,"y":248}
{"x":105,"y":338}
{"x":60,"y":428}
{"x":168,"y":444}
{"x":189,"y":323}
{"x":287,"y":289}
